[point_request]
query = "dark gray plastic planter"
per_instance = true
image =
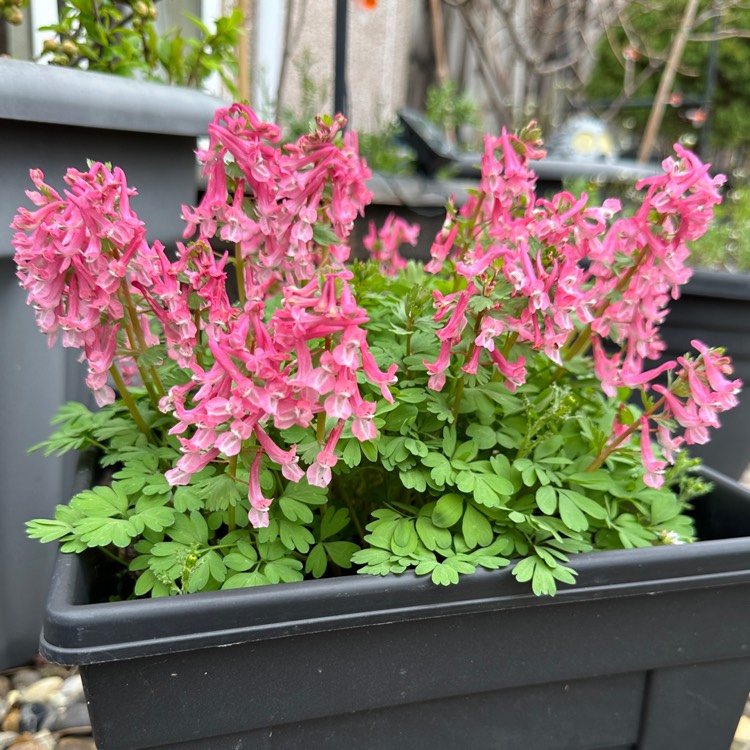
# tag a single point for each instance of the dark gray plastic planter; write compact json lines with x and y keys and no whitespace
{"x":55,"y":118}
{"x":714,"y":307}
{"x":650,"y":650}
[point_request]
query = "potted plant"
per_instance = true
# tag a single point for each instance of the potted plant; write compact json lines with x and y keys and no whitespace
{"x":273,"y":414}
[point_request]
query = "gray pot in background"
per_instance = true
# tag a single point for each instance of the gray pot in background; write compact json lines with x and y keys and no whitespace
{"x":52,"y":119}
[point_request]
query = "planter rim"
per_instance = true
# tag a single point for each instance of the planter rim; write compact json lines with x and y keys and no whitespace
{"x":33,"y":92}
{"x":77,"y":632}
{"x":707,"y":282}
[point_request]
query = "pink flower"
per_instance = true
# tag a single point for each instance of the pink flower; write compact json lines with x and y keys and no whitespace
{"x":259,"y":505}
{"x":384,"y":243}
{"x":654,"y":475}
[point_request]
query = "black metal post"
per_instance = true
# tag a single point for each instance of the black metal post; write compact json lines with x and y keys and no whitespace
{"x":340,"y":96}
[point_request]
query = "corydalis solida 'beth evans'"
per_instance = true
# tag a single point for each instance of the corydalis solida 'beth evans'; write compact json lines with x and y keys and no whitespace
{"x":278,"y":354}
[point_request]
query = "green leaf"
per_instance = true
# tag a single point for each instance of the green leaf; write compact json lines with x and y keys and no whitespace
{"x":184,"y":531}
{"x":586,"y":504}
{"x":571,"y":516}
{"x":216,"y":566}
{"x":100,"y":532}
{"x":221,"y":492}
{"x":487,"y":490}
{"x":482,"y":435}
{"x":198,"y":576}
{"x":371,"y":557}
{"x":404,"y":540}
{"x":448,"y":510}
{"x":442,"y":471}
{"x":476,"y":528}
{"x":460,"y":565}
{"x":433,"y":537}
{"x":105,"y":502}
{"x":131,"y":479}
{"x":466,"y":452}
{"x":146,"y":581}
{"x":334,"y":520}
{"x":245,"y":580}
{"x":535,"y":570}
{"x":341,"y":552}
{"x":295,"y":537}
{"x":317,"y":561}
{"x":352,"y":453}
{"x":546,"y":500}
{"x":324,"y":236}
{"x":416,"y":447}
{"x":370,"y":449}
{"x":466,"y":481}
{"x":444,"y":574}
{"x":47,"y":530}
{"x":548,"y":447}
{"x":413,"y":479}
{"x":186,"y":499}
{"x":284,"y":569}
{"x":238,"y":562}
{"x":664,"y":507}
{"x":449,"y":440}
{"x":294,"y":510}
{"x":307,"y":493}
{"x":156,"y":518}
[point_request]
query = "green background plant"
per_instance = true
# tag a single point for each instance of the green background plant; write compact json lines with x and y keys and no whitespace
{"x":652,"y":26}
{"x":121,"y":39}
{"x":726,"y":245}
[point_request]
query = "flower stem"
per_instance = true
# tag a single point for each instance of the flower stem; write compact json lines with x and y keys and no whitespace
{"x":152,"y":382}
{"x":112,"y":556}
{"x":459,"y":395}
{"x":355,"y":518}
{"x":130,"y":403}
{"x":232,"y":472}
{"x":320,"y":432}
{"x":621,"y":438}
{"x":239,"y":269}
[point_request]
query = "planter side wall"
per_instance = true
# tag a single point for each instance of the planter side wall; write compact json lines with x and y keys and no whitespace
{"x":509,"y":659}
{"x":35,"y":381}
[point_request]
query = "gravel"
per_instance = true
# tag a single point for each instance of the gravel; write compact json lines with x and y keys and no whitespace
{"x":42,"y":707}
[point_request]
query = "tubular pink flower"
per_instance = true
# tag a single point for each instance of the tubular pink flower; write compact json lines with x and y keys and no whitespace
{"x":288,"y":460}
{"x":189,"y":464}
{"x":259,"y":505}
{"x":514,"y":373}
{"x":654,"y":475}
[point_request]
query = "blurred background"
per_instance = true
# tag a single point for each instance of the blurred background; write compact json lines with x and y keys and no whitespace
{"x":649,"y":71}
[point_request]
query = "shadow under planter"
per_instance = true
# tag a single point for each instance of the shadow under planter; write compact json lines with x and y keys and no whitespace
{"x":53,"y":119}
{"x":649,"y":650}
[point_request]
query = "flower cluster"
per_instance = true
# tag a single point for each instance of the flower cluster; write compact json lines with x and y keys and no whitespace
{"x":468,"y":407}
{"x":562,"y":307}
{"x":72,"y":254}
